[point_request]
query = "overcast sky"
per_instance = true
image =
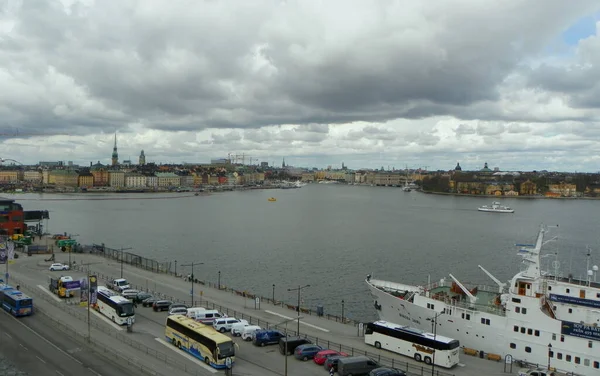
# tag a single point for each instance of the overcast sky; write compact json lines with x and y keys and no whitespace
{"x":368,"y":83}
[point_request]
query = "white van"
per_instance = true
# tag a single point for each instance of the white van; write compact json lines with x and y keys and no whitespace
{"x":236,"y":329}
{"x":248,"y":331}
{"x":191,"y":312}
{"x":207,"y":316}
{"x":224,"y":325}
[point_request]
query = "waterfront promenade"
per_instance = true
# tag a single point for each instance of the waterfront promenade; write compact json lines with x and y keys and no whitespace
{"x":145,"y":345}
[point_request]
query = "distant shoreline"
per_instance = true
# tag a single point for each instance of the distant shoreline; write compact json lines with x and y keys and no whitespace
{"x":509,"y":197}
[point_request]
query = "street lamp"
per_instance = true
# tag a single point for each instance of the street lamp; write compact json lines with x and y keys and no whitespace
{"x":89,"y":302}
{"x":123,"y":249}
{"x":192,"y":277}
{"x":219,"y":281}
{"x":434,"y":329}
{"x":286,"y":342}
{"x":273,"y":293}
{"x":342,"y":310}
{"x":299,"y":288}
{"x":175,"y":268}
{"x":549,"y":354}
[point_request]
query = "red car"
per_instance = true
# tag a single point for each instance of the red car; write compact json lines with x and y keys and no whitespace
{"x":322,"y":356}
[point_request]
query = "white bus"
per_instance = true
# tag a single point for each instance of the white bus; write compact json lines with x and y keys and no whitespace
{"x":114,"y":306}
{"x":413,"y":342}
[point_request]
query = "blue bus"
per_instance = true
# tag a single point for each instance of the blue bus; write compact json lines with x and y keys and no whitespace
{"x":15,"y":302}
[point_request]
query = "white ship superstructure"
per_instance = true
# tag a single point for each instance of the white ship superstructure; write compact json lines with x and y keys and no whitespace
{"x":537,"y":317}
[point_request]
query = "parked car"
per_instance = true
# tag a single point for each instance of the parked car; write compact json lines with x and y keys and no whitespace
{"x":267,"y":337}
{"x":224,"y":324}
{"x":384,"y":371}
{"x":141,"y":296}
{"x":178,"y":311}
{"x":290,"y":344}
{"x":177,"y":305}
{"x":58,"y":266}
{"x":237,"y":328}
{"x":322,"y":356}
{"x":306,"y":352}
{"x":130,"y":293}
{"x":535,"y":372}
{"x":249,"y":331}
{"x":356,"y":365}
{"x":149,"y":302}
{"x":332,"y":361}
{"x":161,"y":305}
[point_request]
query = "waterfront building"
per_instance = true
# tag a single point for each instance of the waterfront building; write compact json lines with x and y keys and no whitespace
{"x":10,"y":176}
{"x":528,"y":188}
{"x":187,"y":180}
{"x":142,"y":159}
{"x":63,"y":178}
{"x":32,"y":176}
{"x":135,"y":180}
{"x":168,"y":179}
{"x":12,"y":218}
{"x":116,"y":178}
{"x":389,"y":179}
{"x":308,"y":176}
{"x":563,"y":189}
{"x":86,"y":180}
{"x":100,"y":173}
{"x":152,"y":181}
{"x":115,"y":155}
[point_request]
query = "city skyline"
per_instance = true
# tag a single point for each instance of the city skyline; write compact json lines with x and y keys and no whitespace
{"x":389,"y":84}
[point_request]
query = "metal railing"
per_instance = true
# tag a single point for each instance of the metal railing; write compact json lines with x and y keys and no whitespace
{"x":411,"y":369}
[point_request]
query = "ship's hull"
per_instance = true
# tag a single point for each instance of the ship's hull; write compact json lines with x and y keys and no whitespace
{"x":491,"y":210}
{"x":523,"y":337}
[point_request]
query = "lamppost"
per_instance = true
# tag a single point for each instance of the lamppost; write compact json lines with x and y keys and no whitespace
{"x":273,"y":293}
{"x":342,"y":310}
{"x":299,"y":288}
{"x":89,"y":302}
{"x":549,"y":354}
{"x":286,"y":348}
{"x":434,"y":329}
{"x":123,"y":249}
{"x":192,"y":277}
{"x":175,"y":268}
{"x":219,"y":281}
{"x":71,"y":244}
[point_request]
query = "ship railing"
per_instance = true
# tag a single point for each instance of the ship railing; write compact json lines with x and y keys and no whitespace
{"x":470,"y":286}
{"x":497,"y":310}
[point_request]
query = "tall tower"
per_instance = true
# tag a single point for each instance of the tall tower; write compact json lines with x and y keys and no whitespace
{"x":283,"y":163}
{"x":142,"y":159}
{"x":115,"y":155}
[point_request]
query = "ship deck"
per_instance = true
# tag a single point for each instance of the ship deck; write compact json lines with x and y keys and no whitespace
{"x":488,"y":301}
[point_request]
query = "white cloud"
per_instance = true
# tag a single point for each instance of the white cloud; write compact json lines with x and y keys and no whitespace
{"x":403,"y":82}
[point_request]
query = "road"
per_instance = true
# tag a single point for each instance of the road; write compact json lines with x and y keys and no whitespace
{"x":37,"y":347}
{"x":250,"y":360}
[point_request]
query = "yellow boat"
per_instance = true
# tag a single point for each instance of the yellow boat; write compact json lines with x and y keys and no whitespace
{"x":272,"y":199}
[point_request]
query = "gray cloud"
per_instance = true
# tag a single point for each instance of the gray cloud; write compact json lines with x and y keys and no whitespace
{"x":205,"y":66}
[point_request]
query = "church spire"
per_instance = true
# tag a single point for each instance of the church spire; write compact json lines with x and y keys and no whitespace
{"x":115,"y":155}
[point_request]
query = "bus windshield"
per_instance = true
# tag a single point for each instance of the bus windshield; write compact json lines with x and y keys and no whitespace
{"x":226,"y":349}
{"x":126,"y":309}
{"x":25,"y":302}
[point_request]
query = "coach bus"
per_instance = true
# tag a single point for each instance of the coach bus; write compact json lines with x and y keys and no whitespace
{"x":413,"y":342}
{"x":114,"y":306}
{"x":201,"y":341}
{"x":15,"y":302}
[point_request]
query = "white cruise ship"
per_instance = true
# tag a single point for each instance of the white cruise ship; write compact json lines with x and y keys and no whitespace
{"x":538,"y":317}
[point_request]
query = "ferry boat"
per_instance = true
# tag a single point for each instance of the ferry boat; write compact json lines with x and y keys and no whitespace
{"x":496,"y":208}
{"x":539,"y":318}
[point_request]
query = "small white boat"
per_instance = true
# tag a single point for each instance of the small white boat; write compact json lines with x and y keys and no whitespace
{"x":496,"y":208}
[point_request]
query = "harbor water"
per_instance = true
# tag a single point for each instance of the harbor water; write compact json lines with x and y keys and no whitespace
{"x":326,"y":236}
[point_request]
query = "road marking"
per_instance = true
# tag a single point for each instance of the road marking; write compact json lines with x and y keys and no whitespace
{"x":96,"y":373}
{"x":117,"y":327}
{"x":8,"y":335}
{"x":49,"y":293}
{"x":41,"y":360}
{"x":186,"y":355}
{"x":60,"y":373}
{"x":20,"y":344}
{"x":39,"y":335}
{"x":301,"y":322}
{"x":460,"y":364}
